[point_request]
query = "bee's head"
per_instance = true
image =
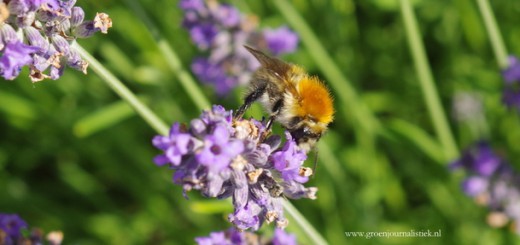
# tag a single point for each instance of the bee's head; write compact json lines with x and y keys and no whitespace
{"x":307,"y":135}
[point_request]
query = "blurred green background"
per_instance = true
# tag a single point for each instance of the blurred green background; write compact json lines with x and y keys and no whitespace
{"x":74,"y":157}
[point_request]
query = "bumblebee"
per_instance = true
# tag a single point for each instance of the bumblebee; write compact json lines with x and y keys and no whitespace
{"x":302,"y":104}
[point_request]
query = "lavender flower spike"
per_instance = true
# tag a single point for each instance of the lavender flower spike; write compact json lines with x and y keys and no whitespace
{"x":47,"y":29}
{"x":493,"y":183}
{"x":223,"y":157}
{"x":221,"y":31}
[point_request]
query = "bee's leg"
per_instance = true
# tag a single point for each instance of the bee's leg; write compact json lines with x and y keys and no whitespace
{"x":276,"y":110}
{"x":249,"y":99}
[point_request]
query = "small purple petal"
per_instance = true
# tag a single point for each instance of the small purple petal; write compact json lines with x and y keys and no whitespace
{"x":15,"y":56}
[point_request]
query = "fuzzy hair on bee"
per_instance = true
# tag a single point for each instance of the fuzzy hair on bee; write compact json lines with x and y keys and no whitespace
{"x":301,"y":103}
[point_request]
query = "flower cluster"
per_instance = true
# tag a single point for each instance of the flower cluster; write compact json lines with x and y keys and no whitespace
{"x":11,"y":232}
{"x":221,"y":30}
{"x":493,"y":183}
{"x":38,"y":34}
{"x":224,"y":157}
{"x":511,"y":75}
{"x":234,"y":237}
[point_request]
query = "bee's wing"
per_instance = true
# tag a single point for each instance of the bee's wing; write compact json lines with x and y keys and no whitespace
{"x":271,"y":63}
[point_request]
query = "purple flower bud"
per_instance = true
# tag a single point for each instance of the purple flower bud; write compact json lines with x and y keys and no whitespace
{"x":75,"y":61}
{"x":61,"y":44}
{"x":77,"y":17}
{"x":36,"y":39}
{"x":8,"y":34}
{"x":85,"y":30}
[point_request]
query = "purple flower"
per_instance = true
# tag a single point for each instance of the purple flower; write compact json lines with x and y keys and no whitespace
{"x":41,"y":21}
{"x":222,"y":157}
{"x":491,"y":181}
{"x":219,"y":149}
{"x":474,"y":186}
{"x":213,"y":239}
{"x":512,"y":72}
{"x":228,"y":16}
{"x":288,"y":161}
{"x":233,"y":236}
{"x":191,"y":4}
{"x":281,"y":40}
{"x":222,"y":31}
{"x":175,"y":146}
{"x":479,"y":159}
{"x":15,"y":55}
{"x":282,"y":238}
{"x":203,"y":35}
{"x":12,"y":225}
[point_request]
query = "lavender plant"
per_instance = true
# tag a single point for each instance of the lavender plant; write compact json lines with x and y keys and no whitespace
{"x":38,"y":34}
{"x":493,"y":183}
{"x":223,"y":157}
{"x":221,"y":31}
{"x":13,"y":231}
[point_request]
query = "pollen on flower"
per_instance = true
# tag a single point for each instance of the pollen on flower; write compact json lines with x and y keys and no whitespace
{"x":315,"y":100}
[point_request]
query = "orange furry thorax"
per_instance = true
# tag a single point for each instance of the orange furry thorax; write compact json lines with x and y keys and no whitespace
{"x":315,"y":101}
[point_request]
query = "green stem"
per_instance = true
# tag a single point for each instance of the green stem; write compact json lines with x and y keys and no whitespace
{"x":161,"y":127}
{"x":494,"y":33}
{"x":431,"y":96}
{"x":304,"y":224}
{"x":172,"y":59}
{"x":351,"y":104}
{"x":118,"y":87}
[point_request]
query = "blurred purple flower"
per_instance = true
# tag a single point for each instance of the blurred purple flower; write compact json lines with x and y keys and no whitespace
{"x":48,"y":28}
{"x":233,"y":236}
{"x":282,"y":238}
{"x":491,"y":181}
{"x":511,"y":98}
{"x":225,"y":158}
{"x":512,"y":72}
{"x":511,"y":94}
{"x":12,"y":225}
{"x":479,"y":159}
{"x":222,"y":31}
{"x":281,"y":40}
